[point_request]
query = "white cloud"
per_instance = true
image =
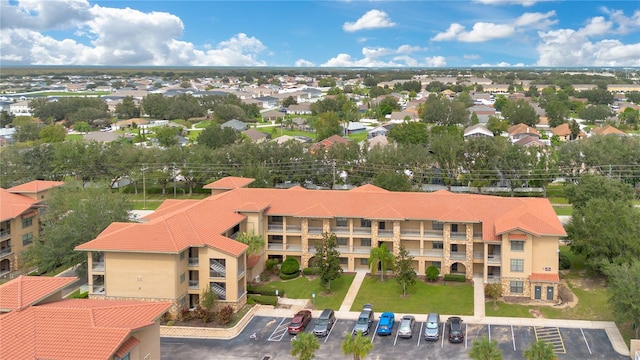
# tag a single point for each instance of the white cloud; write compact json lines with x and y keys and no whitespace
{"x":451,"y":33}
{"x":486,"y":31}
{"x":499,"y":64}
{"x":625,"y":25}
{"x":510,"y":2}
{"x":435,"y":61}
{"x":536,"y":20}
{"x":39,"y":15}
{"x":373,"y":19}
{"x":385,"y":57}
{"x":304,"y":63}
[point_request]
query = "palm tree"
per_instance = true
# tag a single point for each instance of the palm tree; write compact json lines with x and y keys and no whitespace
{"x":540,"y":350}
{"x":483,"y":349}
{"x":304,"y":346}
{"x":380,"y":257}
{"x":253,"y":240}
{"x":358,"y":346}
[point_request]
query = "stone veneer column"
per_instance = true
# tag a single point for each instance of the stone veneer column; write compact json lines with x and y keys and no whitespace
{"x":374,"y":238}
{"x":469,"y":252}
{"x":396,"y":237}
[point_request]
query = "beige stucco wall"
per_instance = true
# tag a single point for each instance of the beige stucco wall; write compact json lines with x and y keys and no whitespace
{"x":149,"y":342}
{"x":140,"y":275}
{"x":545,"y":255}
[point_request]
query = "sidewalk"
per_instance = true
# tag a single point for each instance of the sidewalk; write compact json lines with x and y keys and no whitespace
{"x":353,"y":292}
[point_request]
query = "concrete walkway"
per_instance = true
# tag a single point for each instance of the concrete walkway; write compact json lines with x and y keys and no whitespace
{"x":353,"y":292}
{"x":478,"y":296}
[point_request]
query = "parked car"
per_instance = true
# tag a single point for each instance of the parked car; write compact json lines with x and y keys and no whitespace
{"x":456,"y":335}
{"x":385,"y":324}
{"x":432,"y":327}
{"x":299,"y":321}
{"x":324,"y":323}
{"x":407,"y":324}
{"x":365,"y":319}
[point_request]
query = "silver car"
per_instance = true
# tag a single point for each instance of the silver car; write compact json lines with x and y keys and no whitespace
{"x":432,"y":327}
{"x":407,"y":324}
{"x":363,"y":324}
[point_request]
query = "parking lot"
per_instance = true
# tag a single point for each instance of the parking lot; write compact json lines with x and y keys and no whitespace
{"x":266,"y":338}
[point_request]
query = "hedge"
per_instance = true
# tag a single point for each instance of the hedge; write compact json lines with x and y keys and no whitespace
{"x":310,"y":271}
{"x":454,"y":277}
{"x":290,"y":266}
{"x":258,"y":290}
{"x":262,"y":299}
{"x":284,"y":276}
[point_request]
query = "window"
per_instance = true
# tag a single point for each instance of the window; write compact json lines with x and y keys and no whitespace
{"x":343,"y":241}
{"x":365,"y":223}
{"x":437,"y":225}
{"x":516,"y":287}
{"x":437,"y":264}
{"x":27,"y":239}
{"x":517,"y":265}
{"x":275,"y":239}
{"x":344,"y":261}
{"x":454,"y":227}
{"x":437,"y":245}
{"x":381,"y":225}
{"x":341,"y":221}
{"x":517,"y":245}
{"x":364,"y":261}
{"x":365,"y":242}
{"x":26,"y":222}
{"x":182,"y":278}
{"x":276,"y":219}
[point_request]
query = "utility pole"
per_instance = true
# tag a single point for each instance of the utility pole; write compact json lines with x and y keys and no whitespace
{"x":144,"y":189}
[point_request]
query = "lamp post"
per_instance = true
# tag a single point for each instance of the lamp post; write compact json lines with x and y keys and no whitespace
{"x":313,"y":298}
{"x":144,"y":190}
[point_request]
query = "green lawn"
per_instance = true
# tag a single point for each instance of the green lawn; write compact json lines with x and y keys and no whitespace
{"x":558,"y":200}
{"x":452,"y":298}
{"x":73,"y":137}
{"x":303,"y":287}
{"x":563,"y":210}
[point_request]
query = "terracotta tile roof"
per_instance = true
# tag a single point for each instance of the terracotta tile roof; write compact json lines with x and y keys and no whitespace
{"x":201,"y":223}
{"x":228,"y":183}
{"x":522,"y":129}
{"x":565,"y":130}
{"x":127,"y":346}
{"x":607,"y":130}
{"x":368,"y":188}
{"x":35,"y":186}
{"x":25,"y":291}
{"x":75,"y":329}
{"x":13,"y":205}
{"x":544,"y":277}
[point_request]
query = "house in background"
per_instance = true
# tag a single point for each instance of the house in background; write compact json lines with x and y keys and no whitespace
{"x":256,"y":136}
{"x":235,"y":124}
{"x":41,"y":325}
{"x":477,"y":130}
{"x":20,"y":208}
{"x":563,"y":132}
{"x":518,"y":131}
{"x":607,"y":130}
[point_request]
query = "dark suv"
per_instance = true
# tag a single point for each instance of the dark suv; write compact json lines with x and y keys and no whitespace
{"x":364,"y":320}
{"x":324,"y":323}
{"x":456,"y":335}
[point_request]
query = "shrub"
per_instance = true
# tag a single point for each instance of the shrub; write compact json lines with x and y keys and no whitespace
{"x":184,"y":314}
{"x":432,"y":273}
{"x":454,"y":277}
{"x":263,"y":291}
{"x":290,"y":266}
{"x":270,"y":264}
{"x":170,"y":323}
{"x":284,"y":276}
{"x":564,"y":262}
{"x":312,"y":270}
{"x":262,"y":299}
{"x":203,"y":314}
{"x":494,"y":291}
{"x":225,"y":314}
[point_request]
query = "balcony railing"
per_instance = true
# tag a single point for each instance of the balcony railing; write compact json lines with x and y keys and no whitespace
{"x":5,"y":251}
{"x":275,"y":227}
{"x":362,"y":230}
{"x":194,"y":284}
{"x":293,"y":247}
{"x":340,"y":229}
{"x":385,"y":232}
{"x":458,"y":236}
{"x":97,"y":289}
{"x":433,"y":233}
{"x":494,"y":259}
{"x":315,"y":229}
{"x":5,"y":234}
{"x":458,"y":255}
{"x":493,"y":279}
{"x":414,"y":252}
{"x":241,"y":272}
{"x":410,"y":232}
{"x":217,"y":269}
{"x":361,"y":249}
{"x":194,"y":261}
{"x":97,"y":266}
{"x":477,"y":235}
{"x":294,"y":228}
{"x":222,"y":292}
{"x":438,"y":253}
{"x":478,"y":255}
{"x":344,"y":249}
{"x":275,"y":246}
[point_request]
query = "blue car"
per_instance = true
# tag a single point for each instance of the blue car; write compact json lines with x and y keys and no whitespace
{"x":385,"y":325}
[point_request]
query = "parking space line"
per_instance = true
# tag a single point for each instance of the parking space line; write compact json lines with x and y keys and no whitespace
{"x":466,"y":337}
{"x":420,"y":333}
{"x":330,"y":331}
{"x":375,"y":332}
{"x":586,"y":342}
{"x":444,"y":325}
{"x":513,"y":339}
{"x":279,"y":331}
{"x":552,"y":336}
{"x":489,"y":326}
{"x":396,"y":339}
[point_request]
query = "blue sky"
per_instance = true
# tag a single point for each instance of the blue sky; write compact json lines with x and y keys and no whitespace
{"x":306,"y":33}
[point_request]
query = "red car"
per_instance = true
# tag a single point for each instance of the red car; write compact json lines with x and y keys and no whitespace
{"x":299,"y":321}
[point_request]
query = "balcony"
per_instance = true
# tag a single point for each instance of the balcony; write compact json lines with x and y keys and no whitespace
{"x":194,"y":284}
{"x":274,"y":227}
{"x":385,"y":233}
{"x":493,"y":279}
{"x":414,"y":252}
{"x":97,"y":289}
{"x":293,"y":247}
{"x":477,"y":235}
{"x":436,"y":253}
{"x":194,"y":261}
{"x":494,"y":259}
{"x":5,"y":251}
{"x":458,"y":236}
{"x":458,"y":255}
{"x":410,"y":232}
{"x":340,"y":229}
{"x":477,"y":255}
{"x":97,"y":266}
{"x":434,"y":234}
{"x":344,"y":249}
{"x":315,"y":230}
{"x":294,"y":228}
{"x":362,"y":230}
{"x":275,"y":246}
{"x":5,"y":234}
{"x":241,"y":272}
{"x":217,"y":269}
{"x":362,"y":249}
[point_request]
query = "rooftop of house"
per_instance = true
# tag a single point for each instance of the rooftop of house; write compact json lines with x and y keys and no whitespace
{"x":13,"y":205}
{"x":25,"y":291}
{"x":35,"y":186}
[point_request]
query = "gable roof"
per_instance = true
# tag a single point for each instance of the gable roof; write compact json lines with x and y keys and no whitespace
{"x":13,"y":205}
{"x":607,"y":130}
{"x":35,"y":186}
{"x":235,"y":125}
{"x":522,"y":129}
{"x":25,"y":291}
{"x":76,"y":328}
{"x":254,"y":134}
{"x":228,"y":183}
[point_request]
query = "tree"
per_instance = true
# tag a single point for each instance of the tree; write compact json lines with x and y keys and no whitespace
{"x":380,"y":257}
{"x":590,"y":187}
{"x":520,"y":112}
{"x":442,"y":111}
{"x":156,"y":105}
{"x":27,"y":131}
{"x":557,"y":113}
{"x":53,"y":133}
{"x":72,"y":220}
{"x":497,"y":126}
{"x":304,"y":346}
{"x":403,"y":269}
{"x":540,"y":350}
{"x":410,"y":133}
{"x":326,"y":125}
{"x":432,"y":273}
{"x":593,"y":113}
{"x":215,"y":137}
{"x":358,"y":346}
{"x":447,"y":147}
{"x":290,"y":100}
{"x":81,"y":126}
{"x":494,"y":291}
{"x":253,"y":240}
{"x":624,"y":292}
{"x":328,"y":260}
{"x":166,"y":135}
{"x":392,"y":181}
{"x":127,"y":109}
{"x":483,"y":349}
{"x":6,"y":118}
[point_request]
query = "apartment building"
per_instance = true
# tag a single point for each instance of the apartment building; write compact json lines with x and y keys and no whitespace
{"x":20,"y":209}
{"x":187,"y":246}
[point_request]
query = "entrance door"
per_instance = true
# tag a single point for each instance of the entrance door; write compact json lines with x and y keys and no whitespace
{"x":538,"y":292}
{"x":549,"y":292}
